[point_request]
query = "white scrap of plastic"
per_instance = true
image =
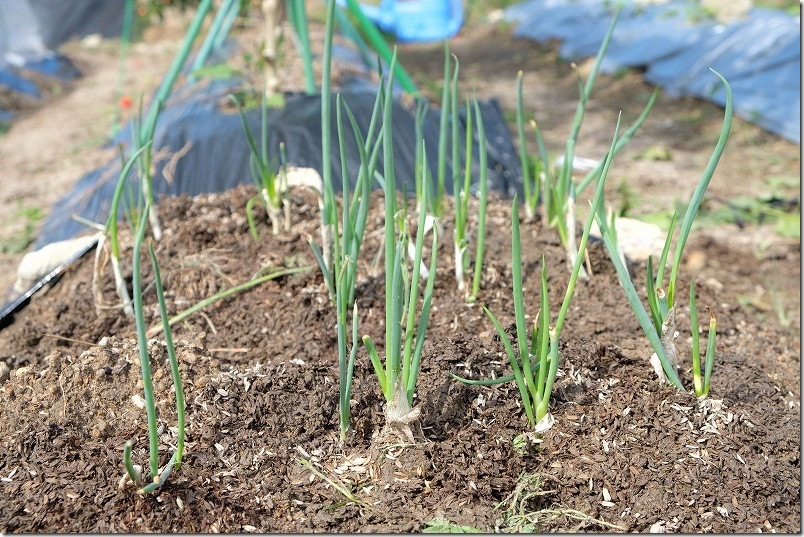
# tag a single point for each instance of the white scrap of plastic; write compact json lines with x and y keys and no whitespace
{"x":637,"y":239}
{"x":301,"y":177}
{"x":579,"y":164}
{"x":35,"y":265}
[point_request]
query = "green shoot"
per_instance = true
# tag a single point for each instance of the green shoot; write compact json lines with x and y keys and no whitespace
{"x":298,"y":17}
{"x":530,"y":184}
{"x":456,"y":140}
{"x":701,"y":382}
{"x":171,"y":351}
{"x":389,"y":188}
{"x":269,"y":183}
{"x":144,"y":132}
{"x":700,"y":191}
{"x":481,"y":213}
{"x":145,"y":359}
{"x":542,"y":172}
{"x":436,"y":207}
{"x":558,"y":188}
{"x":561,"y":211}
{"x":157,"y":479}
{"x":329,"y":212}
{"x":710,"y":353}
{"x":142,"y":138}
{"x":422,"y":177}
{"x":461,"y":196}
{"x":253,"y":282}
{"x":535,"y":380}
{"x":659,"y":326}
{"x":623,"y":141}
{"x":412,"y":355}
{"x":348,"y":242}
{"x":110,"y":233}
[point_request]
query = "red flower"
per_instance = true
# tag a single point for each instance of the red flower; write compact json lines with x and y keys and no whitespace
{"x":126,"y":102}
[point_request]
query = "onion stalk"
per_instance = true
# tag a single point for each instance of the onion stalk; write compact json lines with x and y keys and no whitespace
{"x":157,"y":478}
{"x":535,"y":362}
{"x":659,"y":325}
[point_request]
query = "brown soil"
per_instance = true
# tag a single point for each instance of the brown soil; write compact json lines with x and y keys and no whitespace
{"x":260,"y":368}
{"x":260,"y":377}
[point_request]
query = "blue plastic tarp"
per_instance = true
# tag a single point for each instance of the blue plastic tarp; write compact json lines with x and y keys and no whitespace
{"x":30,"y":31}
{"x":760,"y":54}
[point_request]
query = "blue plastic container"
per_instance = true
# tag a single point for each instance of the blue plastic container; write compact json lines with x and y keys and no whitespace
{"x":417,"y":20}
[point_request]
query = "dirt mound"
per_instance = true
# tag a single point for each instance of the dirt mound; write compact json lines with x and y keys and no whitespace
{"x":260,"y":379}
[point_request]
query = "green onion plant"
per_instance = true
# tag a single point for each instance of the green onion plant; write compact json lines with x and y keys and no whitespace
{"x":535,"y":362}
{"x":398,"y":372}
{"x":144,"y":132}
{"x":659,"y":323}
{"x":563,"y":191}
{"x":338,"y":254}
{"x":109,"y":233}
{"x":271,"y":185}
{"x":556,"y":184}
{"x":157,"y":478}
{"x":483,"y":202}
{"x":143,"y":128}
{"x":347,"y":243}
{"x":461,"y":183}
{"x":461,"y":196}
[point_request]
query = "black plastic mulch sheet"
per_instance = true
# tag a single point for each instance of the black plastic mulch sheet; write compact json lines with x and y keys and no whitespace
{"x":217,"y":154}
